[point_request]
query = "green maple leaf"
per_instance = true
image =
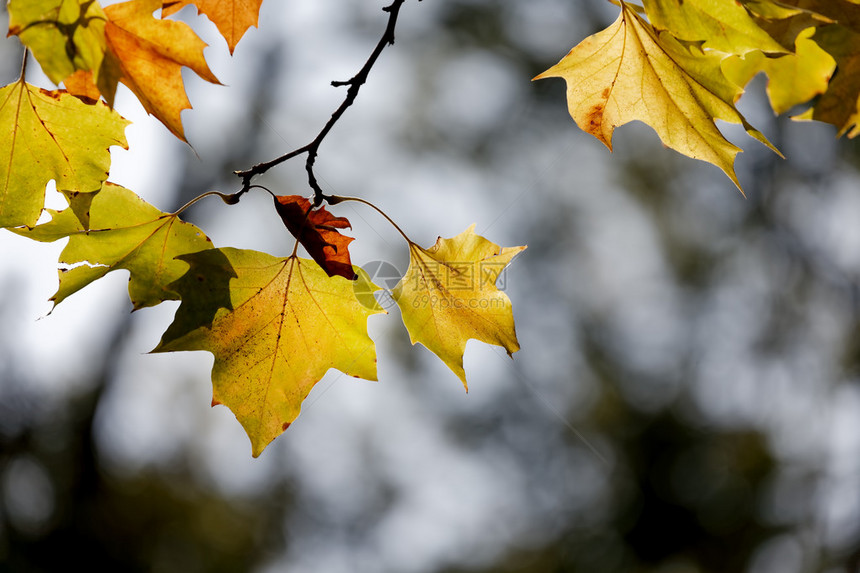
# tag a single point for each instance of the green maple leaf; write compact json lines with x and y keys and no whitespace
{"x":275,"y":327}
{"x":720,"y":25}
{"x":840,"y":104}
{"x":125,"y":233}
{"x":63,"y":35}
{"x":629,"y":72}
{"x":51,"y":135}
{"x":793,"y":79}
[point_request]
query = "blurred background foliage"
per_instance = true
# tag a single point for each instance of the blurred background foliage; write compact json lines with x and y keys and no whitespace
{"x":687,"y":395}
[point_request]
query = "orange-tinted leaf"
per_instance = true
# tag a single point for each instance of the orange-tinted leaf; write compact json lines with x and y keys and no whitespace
{"x":232,"y":17}
{"x":80,"y":84}
{"x":150,"y":54}
{"x":317,"y":231}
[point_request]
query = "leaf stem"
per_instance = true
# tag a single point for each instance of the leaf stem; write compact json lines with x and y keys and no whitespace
{"x":335,"y":199}
{"x":264,"y":188}
{"x":354,"y":86}
{"x":24,"y":65}
{"x":229,"y":198}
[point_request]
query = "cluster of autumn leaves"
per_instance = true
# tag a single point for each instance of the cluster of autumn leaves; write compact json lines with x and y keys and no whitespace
{"x":686,"y":65}
{"x":64,"y":135}
{"x":275,"y":325}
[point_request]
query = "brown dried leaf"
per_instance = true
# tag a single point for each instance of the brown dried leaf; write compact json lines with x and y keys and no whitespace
{"x":317,"y":231}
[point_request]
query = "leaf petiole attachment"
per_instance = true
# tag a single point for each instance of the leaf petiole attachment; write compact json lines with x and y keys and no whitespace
{"x":335,"y":199}
{"x":229,"y":198}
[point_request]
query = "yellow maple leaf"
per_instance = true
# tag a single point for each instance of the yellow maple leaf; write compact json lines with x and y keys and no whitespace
{"x":64,"y":35}
{"x":448,"y":296}
{"x":840,"y":104}
{"x":231,"y":17}
{"x":720,"y":25}
{"x":836,"y":42}
{"x":150,"y":54}
{"x":275,"y":326}
{"x":629,"y":72}
{"x":51,"y":135}
{"x":123,"y":232}
{"x":793,"y":78}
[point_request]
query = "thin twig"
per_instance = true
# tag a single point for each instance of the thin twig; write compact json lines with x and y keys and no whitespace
{"x":354,"y":85}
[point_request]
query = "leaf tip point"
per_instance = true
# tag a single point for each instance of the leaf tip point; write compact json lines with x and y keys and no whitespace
{"x":257,"y":449}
